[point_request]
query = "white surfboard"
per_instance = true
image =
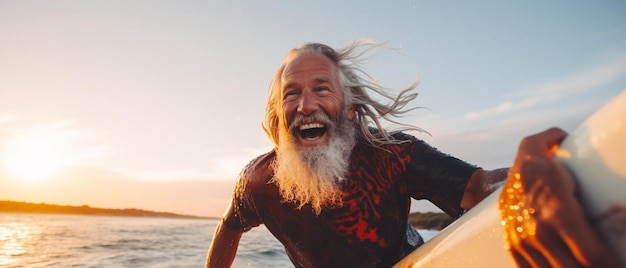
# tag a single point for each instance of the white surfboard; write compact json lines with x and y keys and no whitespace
{"x":595,"y":152}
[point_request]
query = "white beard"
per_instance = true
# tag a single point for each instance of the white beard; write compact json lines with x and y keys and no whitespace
{"x":312,"y":175}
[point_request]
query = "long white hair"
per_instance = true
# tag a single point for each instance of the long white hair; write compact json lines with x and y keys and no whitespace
{"x":357,"y":86}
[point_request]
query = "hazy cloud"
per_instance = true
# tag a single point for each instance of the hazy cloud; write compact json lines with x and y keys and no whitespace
{"x":553,"y":91}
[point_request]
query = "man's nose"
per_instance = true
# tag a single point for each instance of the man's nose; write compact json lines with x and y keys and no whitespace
{"x":308,"y":104}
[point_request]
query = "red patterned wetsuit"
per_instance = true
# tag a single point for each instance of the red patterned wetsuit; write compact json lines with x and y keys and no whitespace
{"x":370,"y":229}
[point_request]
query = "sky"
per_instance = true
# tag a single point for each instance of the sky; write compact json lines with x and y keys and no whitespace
{"x":158,"y":104}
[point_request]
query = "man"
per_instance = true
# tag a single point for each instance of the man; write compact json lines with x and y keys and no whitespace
{"x":337,"y":188}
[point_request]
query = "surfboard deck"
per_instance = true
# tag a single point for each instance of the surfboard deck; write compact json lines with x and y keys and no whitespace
{"x":474,"y":240}
{"x":595,"y":153}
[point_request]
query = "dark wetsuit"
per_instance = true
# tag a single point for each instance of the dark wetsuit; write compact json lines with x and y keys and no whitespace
{"x":370,"y":229}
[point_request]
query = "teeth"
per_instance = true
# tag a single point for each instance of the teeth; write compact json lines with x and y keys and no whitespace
{"x":311,"y":125}
{"x":311,"y":138}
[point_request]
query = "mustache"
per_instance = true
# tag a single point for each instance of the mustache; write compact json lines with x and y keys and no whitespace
{"x":317,"y":117}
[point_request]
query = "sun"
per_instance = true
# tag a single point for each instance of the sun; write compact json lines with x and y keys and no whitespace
{"x":34,"y":158}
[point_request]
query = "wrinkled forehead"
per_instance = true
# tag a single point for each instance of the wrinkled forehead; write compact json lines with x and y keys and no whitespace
{"x":308,"y":65}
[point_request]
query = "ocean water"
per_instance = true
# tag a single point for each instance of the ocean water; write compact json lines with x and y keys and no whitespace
{"x":43,"y":240}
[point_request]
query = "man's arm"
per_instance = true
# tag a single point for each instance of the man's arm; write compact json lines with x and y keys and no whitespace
{"x":481,"y":184}
{"x":223,"y":247}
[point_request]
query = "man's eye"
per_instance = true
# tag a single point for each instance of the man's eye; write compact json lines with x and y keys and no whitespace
{"x":322,"y":89}
{"x":290,"y":94}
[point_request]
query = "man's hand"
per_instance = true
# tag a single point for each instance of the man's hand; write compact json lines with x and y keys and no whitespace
{"x":544,"y":224}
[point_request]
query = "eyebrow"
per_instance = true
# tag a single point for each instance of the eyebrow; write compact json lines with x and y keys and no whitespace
{"x":318,"y":80}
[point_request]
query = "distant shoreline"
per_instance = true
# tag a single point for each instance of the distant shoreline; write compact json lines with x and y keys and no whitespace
{"x":43,"y":208}
{"x":428,"y":220}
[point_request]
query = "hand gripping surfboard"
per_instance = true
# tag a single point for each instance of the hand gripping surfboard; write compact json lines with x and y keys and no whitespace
{"x":595,"y":153}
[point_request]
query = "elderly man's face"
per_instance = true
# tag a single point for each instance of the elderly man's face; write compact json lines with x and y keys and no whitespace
{"x":316,"y":141}
{"x":312,"y":98}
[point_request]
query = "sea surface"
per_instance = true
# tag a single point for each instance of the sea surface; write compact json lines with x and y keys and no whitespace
{"x":47,"y":240}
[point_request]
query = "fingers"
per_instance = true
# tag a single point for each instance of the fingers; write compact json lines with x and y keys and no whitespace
{"x":533,"y":258}
{"x":579,"y":235}
{"x":544,"y":249}
{"x":520,"y":259}
{"x":523,"y":259}
{"x":585,"y":244}
{"x":553,"y":136}
{"x":527,"y":255}
{"x":554,"y":250}
{"x":542,"y":142}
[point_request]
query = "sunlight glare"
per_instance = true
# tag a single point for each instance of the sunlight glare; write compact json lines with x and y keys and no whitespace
{"x":34,"y":158}
{"x":12,"y":238}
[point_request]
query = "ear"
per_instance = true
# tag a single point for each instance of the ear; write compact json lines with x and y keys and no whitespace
{"x":351,"y":112}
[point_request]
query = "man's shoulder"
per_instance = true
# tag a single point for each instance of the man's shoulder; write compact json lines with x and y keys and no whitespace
{"x":259,"y":169}
{"x":401,"y":136}
{"x":395,"y":137}
{"x":413,"y":141}
{"x":404,"y":141}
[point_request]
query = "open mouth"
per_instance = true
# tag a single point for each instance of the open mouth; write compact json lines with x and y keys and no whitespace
{"x":312,"y":131}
